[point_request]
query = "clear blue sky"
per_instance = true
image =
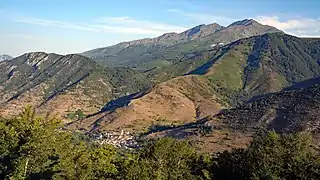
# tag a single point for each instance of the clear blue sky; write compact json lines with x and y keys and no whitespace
{"x":72,"y":26}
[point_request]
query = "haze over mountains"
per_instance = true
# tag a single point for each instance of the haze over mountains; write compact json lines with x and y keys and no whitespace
{"x":179,"y":81}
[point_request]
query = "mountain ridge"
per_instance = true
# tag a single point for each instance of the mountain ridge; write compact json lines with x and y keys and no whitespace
{"x":141,"y":54}
{"x":162,"y":38}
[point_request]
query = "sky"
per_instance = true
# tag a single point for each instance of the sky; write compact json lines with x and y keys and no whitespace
{"x":75,"y":26}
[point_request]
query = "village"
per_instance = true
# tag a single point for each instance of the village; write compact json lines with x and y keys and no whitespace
{"x":122,"y":139}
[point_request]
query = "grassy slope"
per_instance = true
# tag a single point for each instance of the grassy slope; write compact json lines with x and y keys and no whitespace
{"x":262,"y":64}
{"x":180,"y":67}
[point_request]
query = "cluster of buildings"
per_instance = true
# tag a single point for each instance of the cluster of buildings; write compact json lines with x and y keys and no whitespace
{"x":120,"y":139}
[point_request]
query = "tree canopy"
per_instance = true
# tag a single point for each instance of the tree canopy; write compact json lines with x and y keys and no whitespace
{"x":33,"y":147}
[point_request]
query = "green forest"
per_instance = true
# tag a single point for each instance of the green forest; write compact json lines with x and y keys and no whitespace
{"x":33,"y":147}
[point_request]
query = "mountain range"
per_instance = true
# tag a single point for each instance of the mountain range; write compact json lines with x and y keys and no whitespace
{"x":166,"y":50}
{"x":234,"y":74}
{"x":234,"y":79}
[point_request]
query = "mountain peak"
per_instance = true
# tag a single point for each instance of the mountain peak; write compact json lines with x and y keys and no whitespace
{"x":206,"y":26}
{"x":252,"y":25}
{"x":245,"y":22}
{"x":201,"y":30}
{"x":214,"y":24}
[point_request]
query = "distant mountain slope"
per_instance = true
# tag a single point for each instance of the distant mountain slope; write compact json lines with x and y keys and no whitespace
{"x":4,"y":57}
{"x":185,"y":64}
{"x":165,"y":50}
{"x":263,"y":64}
{"x":235,"y":31}
{"x":233,"y":74}
{"x":142,"y":46}
{"x":63,"y":83}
